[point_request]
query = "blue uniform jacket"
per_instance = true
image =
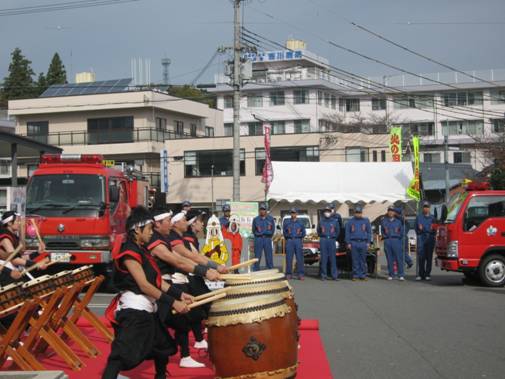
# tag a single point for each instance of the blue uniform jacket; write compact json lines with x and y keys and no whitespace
{"x":293,"y":229}
{"x":424,"y":225}
{"x":224,"y":221}
{"x":392,"y":228}
{"x":263,"y":227}
{"x":358,"y":229}
{"x":328,"y":227}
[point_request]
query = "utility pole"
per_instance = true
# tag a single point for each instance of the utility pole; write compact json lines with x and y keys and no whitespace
{"x":236,"y":100}
{"x":446,"y":166}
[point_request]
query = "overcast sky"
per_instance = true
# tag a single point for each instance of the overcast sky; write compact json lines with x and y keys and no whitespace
{"x":467,"y":34}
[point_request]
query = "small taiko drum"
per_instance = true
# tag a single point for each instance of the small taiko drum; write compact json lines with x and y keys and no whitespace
{"x":84,"y":273}
{"x":252,"y":337}
{"x":11,"y":295}
{"x":40,"y":286}
{"x":63,"y":279}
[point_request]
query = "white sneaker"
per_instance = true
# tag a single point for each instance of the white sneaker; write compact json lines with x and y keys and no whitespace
{"x":418,"y":278}
{"x":428,"y":278}
{"x":390,"y":278}
{"x":201,"y":345}
{"x":401,"y":279}
{"x":189,"y":362}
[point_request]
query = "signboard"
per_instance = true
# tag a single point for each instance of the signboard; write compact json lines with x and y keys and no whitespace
{"x":414,"y":190}
{"x":246,"y":211}
{"x":272,"y":56}
{"x":395,"y":144}
{"x":109,"y":162}
{"x":164,"y":170}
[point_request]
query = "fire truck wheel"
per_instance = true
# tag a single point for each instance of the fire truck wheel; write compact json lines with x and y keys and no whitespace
{"x":492,"y":271}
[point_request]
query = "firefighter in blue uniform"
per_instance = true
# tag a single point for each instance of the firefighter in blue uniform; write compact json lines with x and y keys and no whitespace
{"x":425,"y":242}
{"x":392,"y":233}
{"x":225,"y":219}
{"x":263,"y":228}
{"x":408,"y":259}
{"x":294,"y":232}
{"x":358,"y":236}
{"x":328,"y":231}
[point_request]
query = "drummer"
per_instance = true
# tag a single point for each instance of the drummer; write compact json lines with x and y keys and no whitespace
{"x":9,"y":241}
{"x":145,"y":299}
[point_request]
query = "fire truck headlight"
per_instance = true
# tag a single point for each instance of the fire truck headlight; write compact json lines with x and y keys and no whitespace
{"x":452,"y":249}
{"x":95,"y":243}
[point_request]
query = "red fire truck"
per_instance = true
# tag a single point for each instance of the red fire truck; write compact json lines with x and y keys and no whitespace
{"x":472,"y":238}
{"x":81,"y":207}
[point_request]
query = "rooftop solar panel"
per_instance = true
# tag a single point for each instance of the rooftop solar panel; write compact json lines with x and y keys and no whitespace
{"x":74,"y":89}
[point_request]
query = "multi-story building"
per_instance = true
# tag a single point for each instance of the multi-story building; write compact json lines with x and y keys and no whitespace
{"x":126,"y":126}
{"x":299,"y":92}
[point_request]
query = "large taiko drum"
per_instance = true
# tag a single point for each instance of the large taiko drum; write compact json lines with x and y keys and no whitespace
{"x":252,"y":337}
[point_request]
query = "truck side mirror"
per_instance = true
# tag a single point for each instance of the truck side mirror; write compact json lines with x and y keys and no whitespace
{"x":444,"y":213}
{"x":313,"y":226}
{"x":113,"y":194}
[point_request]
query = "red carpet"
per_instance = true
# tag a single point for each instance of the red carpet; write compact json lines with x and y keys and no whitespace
{"x":312,"y":359}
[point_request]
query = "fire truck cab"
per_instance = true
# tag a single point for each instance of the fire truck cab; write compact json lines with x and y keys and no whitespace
{"x":81,"y":206}
{"x":472,"y":238}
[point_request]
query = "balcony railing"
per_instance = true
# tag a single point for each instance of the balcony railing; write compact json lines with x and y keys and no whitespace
{"x":83,"y":137}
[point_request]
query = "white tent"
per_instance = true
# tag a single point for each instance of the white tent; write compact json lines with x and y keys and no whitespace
{"x":342,"y":181}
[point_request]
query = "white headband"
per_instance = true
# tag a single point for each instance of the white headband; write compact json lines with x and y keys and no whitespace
{"x":163,"y":216}
{"x":141,"y":224}
{"x":10,"y":218}
{"x":178,"y":217}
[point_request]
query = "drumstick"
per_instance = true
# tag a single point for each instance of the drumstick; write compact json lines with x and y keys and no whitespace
{"x":41,"y":263}
{"x":12,"y":255}
{"x":211,"y":293}
{"x":243,"y":264}
{"x":235,"y":276}
{"x":204,"y":301}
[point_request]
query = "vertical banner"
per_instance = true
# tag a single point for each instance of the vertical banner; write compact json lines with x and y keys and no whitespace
{"x":164,"y":171}
{"x":395,"y":144}
{"x":414,"y":190}
{"x":268,"y":173}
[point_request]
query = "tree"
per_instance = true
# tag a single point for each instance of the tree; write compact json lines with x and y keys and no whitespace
{"x":41,"y":83}
{"x":56,"y":74}
{"x":19,"y":82}
{"x":192,"y":93}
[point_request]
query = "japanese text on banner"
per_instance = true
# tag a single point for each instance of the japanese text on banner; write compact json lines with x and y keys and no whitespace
{"x":395,"y":144}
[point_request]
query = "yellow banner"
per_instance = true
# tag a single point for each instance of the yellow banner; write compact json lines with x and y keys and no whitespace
{"x":109,"y":162}
{"x":414,"y":190}
{"x":395,"y":144}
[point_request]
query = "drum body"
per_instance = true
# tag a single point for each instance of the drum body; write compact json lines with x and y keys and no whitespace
{"x":252,"y":337}
{"x":63,"y":278}
{"x":11,"y":295}
{"x":85,"y":273}
{"x":39,"y":286}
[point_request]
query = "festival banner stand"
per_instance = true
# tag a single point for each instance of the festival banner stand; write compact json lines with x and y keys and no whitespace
{"x":246,"y":212}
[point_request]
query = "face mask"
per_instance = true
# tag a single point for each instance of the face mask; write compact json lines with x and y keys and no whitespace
{"x":327,"y":214}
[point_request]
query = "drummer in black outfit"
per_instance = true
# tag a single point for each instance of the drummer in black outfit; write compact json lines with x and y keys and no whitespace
{"x":145,"y":299}
{"x":175,"y":267}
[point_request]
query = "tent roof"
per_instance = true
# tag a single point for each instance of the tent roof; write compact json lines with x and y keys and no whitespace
{"x":340,"y":181}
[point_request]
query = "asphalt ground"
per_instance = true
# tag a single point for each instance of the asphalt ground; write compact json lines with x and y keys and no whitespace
{"x":446,"y":328}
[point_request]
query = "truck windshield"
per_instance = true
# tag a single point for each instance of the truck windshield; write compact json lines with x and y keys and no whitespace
{"x":454,"y":206}
{"x":65,"y":195}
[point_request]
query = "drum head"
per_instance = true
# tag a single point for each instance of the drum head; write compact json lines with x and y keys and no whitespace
{"x":260,"y":278}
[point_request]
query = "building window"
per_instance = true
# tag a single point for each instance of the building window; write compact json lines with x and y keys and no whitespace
{"x":277,"y":98}
{"x":228,"y":102}
{"x":110,"y":130}
{"x":452,"y":99}
{"x":278,"y":127}
{"x":356,"y":154}
{"x":161,"y":123}
{"x":192,"y":130}
{"x":498,"y":125}
{"x":38,"y":130}
{"x":431,"y":157}
{"x":319,"y":97}
{"x":463,"y":127}
{"x":255,"y":128}
{"x":405,"y":102}
{"x":462,"y":157}
{"x":209,"y":131}
{"x":254,"y":101}
{"x":5,"y":167}
{"x":378,"y":104}
{"x":287,"y":154}
{"x":383,"y":155}
{"x":179,"y":128}
{"x":498,"y":96}
{"x":374,"y":155}
{"x":3,"y":200}
{"x":211,"y":163}
{"x":327,"y":99}
{"x":348,"y":105}
{"x":419,"y":129}
{"x":301,"y":96}
{"x":228,"y":130}
{"x":333,"y":100}
{"x":302,"y":126}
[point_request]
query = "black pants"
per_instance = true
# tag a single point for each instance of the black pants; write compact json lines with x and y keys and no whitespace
{"x":138,"y":336}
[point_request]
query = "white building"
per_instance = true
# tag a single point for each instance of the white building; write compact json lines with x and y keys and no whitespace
{"x":299,"y":92}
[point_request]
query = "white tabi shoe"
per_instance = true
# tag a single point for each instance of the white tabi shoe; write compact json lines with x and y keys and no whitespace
{"x":189,"y":362}
{"x":201,"y":345}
